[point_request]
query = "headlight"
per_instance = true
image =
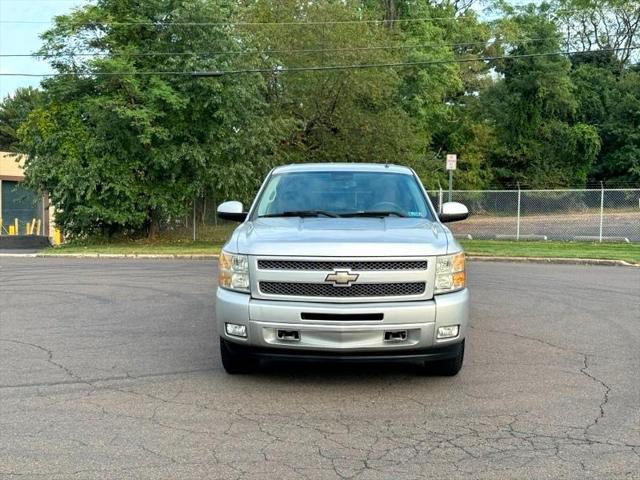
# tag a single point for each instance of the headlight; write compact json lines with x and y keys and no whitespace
{"x":233,"y":272}
{"x":450,"y":273}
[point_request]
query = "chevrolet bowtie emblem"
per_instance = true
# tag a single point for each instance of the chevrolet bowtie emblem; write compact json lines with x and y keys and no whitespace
{"x":342,"y":278}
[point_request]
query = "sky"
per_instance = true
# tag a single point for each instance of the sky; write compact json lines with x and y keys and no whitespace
{"x":16,"y":38}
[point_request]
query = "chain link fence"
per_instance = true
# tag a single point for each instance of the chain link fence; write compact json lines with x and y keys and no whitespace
{"x":201,"y":223}
{"x":577,"y":215}
{"x":581,"y":215}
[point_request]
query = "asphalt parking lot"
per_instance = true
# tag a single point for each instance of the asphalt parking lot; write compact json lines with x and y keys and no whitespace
{"x":109,"y":369}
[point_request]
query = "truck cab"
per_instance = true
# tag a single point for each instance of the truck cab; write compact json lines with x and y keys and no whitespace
{"x":342,"y":262}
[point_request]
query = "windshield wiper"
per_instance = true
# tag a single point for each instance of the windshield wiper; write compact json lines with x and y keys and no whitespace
{"x":301,"y":213}
{"x":384,"y":213}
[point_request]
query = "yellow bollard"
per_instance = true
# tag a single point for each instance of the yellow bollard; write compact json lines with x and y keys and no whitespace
{"x":15,"y":226}
{"x":57,"y":236}
{"x":38,"y":225}
{"x":27,"y":229}
{"x":12,"y":230}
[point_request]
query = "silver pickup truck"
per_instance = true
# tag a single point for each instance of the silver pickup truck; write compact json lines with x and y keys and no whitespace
{"x":342,"y":262}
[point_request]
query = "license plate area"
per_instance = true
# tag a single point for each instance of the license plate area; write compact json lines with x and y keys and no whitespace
{"x":340,"y":339}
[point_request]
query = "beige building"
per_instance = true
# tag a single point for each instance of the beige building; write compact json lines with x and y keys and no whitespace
{"x":22,"y":212}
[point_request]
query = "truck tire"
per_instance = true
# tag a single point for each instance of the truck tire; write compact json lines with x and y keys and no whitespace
{"x":234,"y":363}
{"x":446,"y":368}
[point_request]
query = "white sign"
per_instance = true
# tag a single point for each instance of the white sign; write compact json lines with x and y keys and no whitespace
{"x":452,"y":159}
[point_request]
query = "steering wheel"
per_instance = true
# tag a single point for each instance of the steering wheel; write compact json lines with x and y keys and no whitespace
{"x":387,"y":206}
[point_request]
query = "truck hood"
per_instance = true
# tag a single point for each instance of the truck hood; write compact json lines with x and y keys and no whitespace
{"x":340,"y":237}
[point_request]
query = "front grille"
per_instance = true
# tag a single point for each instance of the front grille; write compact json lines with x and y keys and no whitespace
{"x":328,"y":265}
{"x":294,"y":289}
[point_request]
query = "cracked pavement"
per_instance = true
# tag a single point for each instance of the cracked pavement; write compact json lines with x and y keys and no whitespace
{"x":109,"y":369}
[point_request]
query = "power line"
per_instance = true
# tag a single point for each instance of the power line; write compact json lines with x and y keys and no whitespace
{"x":316,"y":68}
{"x":418,"y":63}
{"x":274,"y":51}
{"x":228,"y":24}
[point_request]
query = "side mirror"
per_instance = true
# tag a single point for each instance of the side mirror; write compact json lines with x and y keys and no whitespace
{"x":232,"y":211}
{"x":453,"y":212}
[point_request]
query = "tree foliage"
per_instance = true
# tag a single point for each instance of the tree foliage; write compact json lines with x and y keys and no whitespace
{"x":609,"y":100}
{"x":124,"y":152}
{"x":533,"y":106}
{"x":119,"y":152}
{"x":602,"y":24}
{"x":14,"y":110}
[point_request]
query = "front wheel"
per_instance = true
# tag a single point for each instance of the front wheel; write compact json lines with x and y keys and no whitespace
{"x":235,"y":363}
{"x":446,"y":368}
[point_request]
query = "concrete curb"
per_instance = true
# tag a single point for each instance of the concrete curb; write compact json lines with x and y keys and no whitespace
{"x":158,"y":256}
{"x":213,"y":256}
{"x":565,"y":261}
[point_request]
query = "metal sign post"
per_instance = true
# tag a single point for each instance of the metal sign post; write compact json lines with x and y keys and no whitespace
{"x":452,"y":160}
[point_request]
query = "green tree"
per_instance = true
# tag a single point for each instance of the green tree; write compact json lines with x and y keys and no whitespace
{"x":14,"y":109}
{"x":374,"y":114}
{"x":620,"y":156}
{"x":336,"y":115}
{"x":610,"y":101}
{"x":443,"y":97}
{"x":601,"y":24}
{"x":124,"y":138}
{"x":119,"y":152}
{"x":533,"y":108}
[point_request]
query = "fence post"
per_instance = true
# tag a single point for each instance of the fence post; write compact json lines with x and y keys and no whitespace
{"x":518,"y":221}
{"x":440,"y":199}
{"x":215,"y":211}
{"x":601,"y":209}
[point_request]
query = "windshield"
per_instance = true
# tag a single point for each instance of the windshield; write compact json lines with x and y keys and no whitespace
{"x":342,"y":194}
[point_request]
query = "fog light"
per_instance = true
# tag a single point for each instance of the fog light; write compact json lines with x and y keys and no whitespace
{"x":448,"y":332}
{"x":236,"y":330}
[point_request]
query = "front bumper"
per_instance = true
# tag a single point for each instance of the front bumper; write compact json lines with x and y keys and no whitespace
{"x":442,"y":352}
{"x":266,"y":320}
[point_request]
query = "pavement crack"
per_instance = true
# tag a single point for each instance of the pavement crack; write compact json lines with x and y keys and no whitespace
{"x":146,"y":449}
{"x":583,"y":371}
{"x":525,"y":337}
{"x":605,"y":395}
{"x":94,"y":382}
{"x":50,"y":359}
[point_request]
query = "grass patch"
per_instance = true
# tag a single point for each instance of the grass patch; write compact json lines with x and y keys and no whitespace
{"x":139,"y":247}
{"x":629,"y":252}
{"x":176,"y":243}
